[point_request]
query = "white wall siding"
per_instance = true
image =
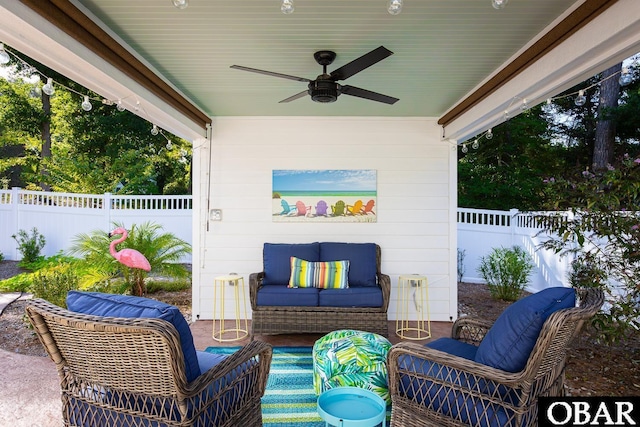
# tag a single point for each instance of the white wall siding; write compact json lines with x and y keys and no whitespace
{"x":413,"y":204}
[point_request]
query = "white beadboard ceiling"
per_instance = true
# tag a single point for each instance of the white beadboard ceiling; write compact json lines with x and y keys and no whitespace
{"x":442,"y":49}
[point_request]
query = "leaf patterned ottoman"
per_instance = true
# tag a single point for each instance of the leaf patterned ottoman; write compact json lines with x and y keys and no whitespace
{"x":351,"y":358}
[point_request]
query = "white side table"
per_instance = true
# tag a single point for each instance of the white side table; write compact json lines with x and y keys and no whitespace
{"x":413,"y":292}
{"x":240,"y":329}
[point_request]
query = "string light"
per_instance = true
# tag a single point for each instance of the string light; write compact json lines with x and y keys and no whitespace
{"x":625,"y":77}
{"x":181,"y":4}
{"x":287,"y":7}
{"x":4,"y":56}
{"x":499,"y":4}
{"x":86,"y":104}
{"x":580,"y":99}
{"x":394,"y":7}
{"x":49,"y":89}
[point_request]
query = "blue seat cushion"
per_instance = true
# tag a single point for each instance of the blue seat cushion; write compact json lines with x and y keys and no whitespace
{"x":511,"y":339}
{"x":111,"y":305}
{"x":276,"y":258}
{"x":455,"y":347}
{"x":351,"y":297}
{"x":207,"y":360}
{"x":451,"y":402}
{"x":362,"y":257}
{"x":282,"y":295}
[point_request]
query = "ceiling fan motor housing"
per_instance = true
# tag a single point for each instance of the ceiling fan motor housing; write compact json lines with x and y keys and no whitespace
{"x":324,"y":90}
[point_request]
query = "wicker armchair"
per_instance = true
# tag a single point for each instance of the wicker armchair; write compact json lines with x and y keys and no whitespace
{"x":434,"y":388}
{"x":131,"y":372}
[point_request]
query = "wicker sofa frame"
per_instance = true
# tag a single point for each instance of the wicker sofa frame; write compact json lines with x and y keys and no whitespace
{"x":272,"y":320}
{"x":543,"y":374}
{"x":116,"y":371}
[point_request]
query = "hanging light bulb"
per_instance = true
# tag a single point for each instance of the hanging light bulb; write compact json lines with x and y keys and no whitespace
{"x":548,"y":101}
{"x":394,"y":7}
{"x":475,"y":144}
{"x":4,"y":56}
{"x":169,"y":144}
{"x":154,"y":130}
{"x":499,"y":4}
{"x":181,"y":4}
{"x":525,"y":105}
{"x":48,"y":87}
{"x":86,"y":104}
{"x":137,"y":107}
{"x":287,"y":7}
{"x":489,"y":134}
{"x":625,"y":77}
{"x":506,"y":114}
{"x":580,"y":99}
{"x":119,"y":105}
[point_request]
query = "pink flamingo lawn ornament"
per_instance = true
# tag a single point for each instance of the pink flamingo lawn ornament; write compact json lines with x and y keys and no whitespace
{"x":128,"y":257}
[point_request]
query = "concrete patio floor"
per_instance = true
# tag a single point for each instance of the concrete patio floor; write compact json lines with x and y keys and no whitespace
{"x":30,"y":394}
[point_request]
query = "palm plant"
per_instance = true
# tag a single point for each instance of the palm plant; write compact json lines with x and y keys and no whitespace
{"x":162,"y":250}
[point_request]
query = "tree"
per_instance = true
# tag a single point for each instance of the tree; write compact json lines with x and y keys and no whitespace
{"x":54,"y":144}
{"x":605,"y":126}
{"x":602,"y":232}
{"x":506,"y":171}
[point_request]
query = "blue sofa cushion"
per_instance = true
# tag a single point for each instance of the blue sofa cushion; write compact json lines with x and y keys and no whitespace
{"x":509,"y":342}
{"x":111,"y":305}
{"x":351,"y":297}
{"x":276,"y":258}
{"x":362,"y":259}
{"x":282,"y":295}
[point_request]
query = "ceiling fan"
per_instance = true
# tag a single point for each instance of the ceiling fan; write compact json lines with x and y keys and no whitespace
{"x":325,"y":87}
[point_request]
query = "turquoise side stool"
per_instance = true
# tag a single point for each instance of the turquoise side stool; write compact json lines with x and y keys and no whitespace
{"x":349,"y":358}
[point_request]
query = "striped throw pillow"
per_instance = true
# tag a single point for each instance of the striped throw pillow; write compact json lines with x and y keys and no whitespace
{"x":323,"y":275}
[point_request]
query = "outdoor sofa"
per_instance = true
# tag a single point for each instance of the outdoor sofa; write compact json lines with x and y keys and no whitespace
{"x":315,"y":295}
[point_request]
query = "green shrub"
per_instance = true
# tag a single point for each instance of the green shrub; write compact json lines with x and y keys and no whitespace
{"x":506,"y":271}
{"x":1,"y":257}
{"x":29,"y":245}
{"x":53,"y":285}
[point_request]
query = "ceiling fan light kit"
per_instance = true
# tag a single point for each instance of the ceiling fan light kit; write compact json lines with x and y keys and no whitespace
{"x":325,"y":89}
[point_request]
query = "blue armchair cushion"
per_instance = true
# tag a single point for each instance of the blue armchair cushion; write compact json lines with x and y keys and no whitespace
{"x":437,"y":386}
{"x":362,"y":257}
{"x":111,"y":305}
{"x":276,"y":258}
{"x":511,"y":339}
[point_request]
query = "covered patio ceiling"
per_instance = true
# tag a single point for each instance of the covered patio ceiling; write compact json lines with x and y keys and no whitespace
{"x":450,"y":58}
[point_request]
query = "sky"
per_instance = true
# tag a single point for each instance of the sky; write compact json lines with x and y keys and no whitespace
{"x":323,"y":180}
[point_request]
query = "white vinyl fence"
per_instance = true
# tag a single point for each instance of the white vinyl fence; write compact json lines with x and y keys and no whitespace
{"x":480,"y":231}
{"x":60,"y":217}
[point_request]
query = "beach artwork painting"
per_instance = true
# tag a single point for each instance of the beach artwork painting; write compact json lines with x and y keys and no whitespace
{"x":324,"y":195}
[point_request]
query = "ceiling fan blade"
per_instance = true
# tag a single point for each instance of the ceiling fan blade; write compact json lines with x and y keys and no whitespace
{"x":359,"y":64}
{"x":270,"y":73}
{"x":367,"y":94}
{"x":294,"y":97}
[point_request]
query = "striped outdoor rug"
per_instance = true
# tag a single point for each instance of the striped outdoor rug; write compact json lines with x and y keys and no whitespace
{"x":289,"y":400}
